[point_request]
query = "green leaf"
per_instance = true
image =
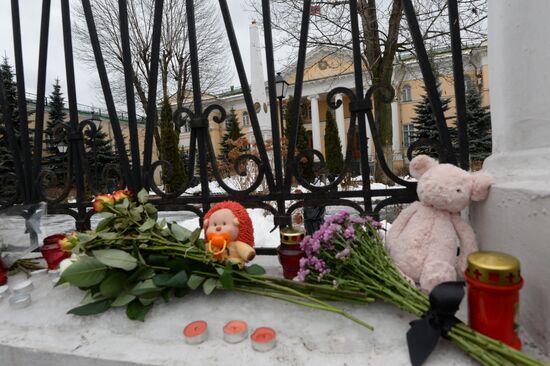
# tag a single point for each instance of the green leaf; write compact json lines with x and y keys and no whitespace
{"x":85,"y":272}
{"x":106,"y":214}
{"x":147,"y":301}
{"x":113,"y":285}
{"x":226,"y":280}
{"x":149,"y":223}
{"x":116,"y":258}
{"x":91,"y":308}
{"x":144,"y":288}
{"x":180,"y":292}
{"x":135,"y":214}
{"x":150,"y":209}
{"x":84,"y":238}
{"x":255,"y":270}
{"x":137,"y":311}
{"x":161,"y":224}
{"x":162,"y":279}
{"x":167,"y":294}
{"x":123,"y":300}
{"x":195,"y":236}
{"x":108,"y":235}
{"x":143,"y":196}
{"x":179,"y":280}
{"x":195,"y":281}
{"x":209,"y":285}
{"x":103,"y":224}
{"x":179,"y":232}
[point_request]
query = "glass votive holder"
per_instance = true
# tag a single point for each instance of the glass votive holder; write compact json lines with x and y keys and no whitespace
{"x":20,"y":301}
{"x":23,"y":287}
{"x":52,"y":252}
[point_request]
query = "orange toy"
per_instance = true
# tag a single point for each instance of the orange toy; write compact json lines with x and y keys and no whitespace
{"x":229,"y":233}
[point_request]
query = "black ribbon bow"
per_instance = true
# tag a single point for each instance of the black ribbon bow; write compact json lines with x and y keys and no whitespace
{"x":424,"y":334}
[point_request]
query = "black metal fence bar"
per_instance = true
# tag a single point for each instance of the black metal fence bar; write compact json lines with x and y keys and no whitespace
{"x":107,"y":94}
{"x":430,"y":83}
{"x":23,"y":122}
{"x":277,"y":199}
{"x":130,"y":98}
{"x":290,"y":168}
{"x":359,"y":92}
{"x":41,"y":94}
{"x":152,"y":92}
{"x":247,"y":94}
{"x":458,"y":73}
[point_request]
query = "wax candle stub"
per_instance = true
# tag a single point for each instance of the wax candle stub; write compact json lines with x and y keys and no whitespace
{"x":263,"y":339}
{"x":235,"y":331}
{"x":24,"y":287}
{"x":196,"y":332}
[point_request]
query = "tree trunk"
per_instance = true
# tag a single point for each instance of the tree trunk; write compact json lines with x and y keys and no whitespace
{"x":383,"y":118}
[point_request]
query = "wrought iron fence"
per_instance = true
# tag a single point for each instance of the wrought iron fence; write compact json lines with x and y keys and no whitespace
{"x":32,"y":182}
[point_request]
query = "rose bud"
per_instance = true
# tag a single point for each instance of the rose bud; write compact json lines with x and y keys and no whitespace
{"x":101,"y":200}
{"x":120,"y":195}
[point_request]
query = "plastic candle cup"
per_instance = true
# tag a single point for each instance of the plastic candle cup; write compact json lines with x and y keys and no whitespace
{"x":20,"y":301}
{"x":263,"y":339}
{"x":235,"y":331}
{"x":23,"y":287}
{"x":51,"y":251}
{"x":196,"y":332}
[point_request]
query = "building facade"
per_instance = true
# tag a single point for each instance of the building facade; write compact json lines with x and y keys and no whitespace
{"x":327,"y":68}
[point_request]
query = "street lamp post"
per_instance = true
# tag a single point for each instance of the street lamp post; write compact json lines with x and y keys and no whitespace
{"x":281,"y":86}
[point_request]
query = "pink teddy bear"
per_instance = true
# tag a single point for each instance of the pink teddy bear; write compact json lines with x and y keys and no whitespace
{"x":423,"y":239}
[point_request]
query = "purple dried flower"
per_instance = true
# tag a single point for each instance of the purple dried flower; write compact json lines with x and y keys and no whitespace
{"x":349,"y":233}
{"x":343,"y":254}
{"x":302,"y":274}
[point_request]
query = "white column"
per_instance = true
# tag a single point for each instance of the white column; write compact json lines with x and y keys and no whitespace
{"x":257,"y":85}
{"x":315,"y":122}
{"x":396,"y":132}
{"x":514,"y":219}
{"x":341,"y":125}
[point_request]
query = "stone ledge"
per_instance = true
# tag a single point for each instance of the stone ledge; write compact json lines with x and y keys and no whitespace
{"x":44,"y":334}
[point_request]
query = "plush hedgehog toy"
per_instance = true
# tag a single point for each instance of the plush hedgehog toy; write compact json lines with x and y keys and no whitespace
{"x":229,"y":233}
{"x":423,"y":239}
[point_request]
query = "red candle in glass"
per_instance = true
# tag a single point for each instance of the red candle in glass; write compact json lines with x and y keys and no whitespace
{"x":3,"y":273}
{"x":290,"y":252}
{"x":52,"y":253}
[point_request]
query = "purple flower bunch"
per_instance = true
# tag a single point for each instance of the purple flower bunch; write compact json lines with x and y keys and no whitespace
{"x":330,"y":246}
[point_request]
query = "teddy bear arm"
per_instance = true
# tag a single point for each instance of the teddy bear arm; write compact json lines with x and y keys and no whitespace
{"x":401,"y":222}
{"x":244,"y":251}
{"x":468,"y":242}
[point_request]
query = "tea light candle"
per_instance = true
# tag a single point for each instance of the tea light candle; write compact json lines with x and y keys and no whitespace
{"x":263,"y":339}
{"x":196,"y":332}
{"x":235,"y":331}
{"x":20,"y":301}
{"x":23,"y":287}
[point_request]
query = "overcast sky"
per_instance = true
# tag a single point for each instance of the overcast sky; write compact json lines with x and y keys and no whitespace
{"x":87,"y":82}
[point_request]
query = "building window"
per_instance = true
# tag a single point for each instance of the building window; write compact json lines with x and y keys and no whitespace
{"x":408,"y":132}
{"x":306,"y":111}
{"x":406,"y":93}
{"x":246,"y":119}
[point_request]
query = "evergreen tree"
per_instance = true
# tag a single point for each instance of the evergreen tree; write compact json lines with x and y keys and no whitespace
{"x":305,"y":166}
{"x":425,"y":126}
{"x":56,"y":161}
{"x":169,"y":149}
{"x":10,"y":95}
{"x":479,"y":126}
{"x":104,"y":154}
{"x":333,"y":147}
{"x":232,"y":133}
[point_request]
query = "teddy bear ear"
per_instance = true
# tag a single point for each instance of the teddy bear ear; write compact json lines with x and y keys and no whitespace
{"x":481,"y":184}
{"x":420,"y":165}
